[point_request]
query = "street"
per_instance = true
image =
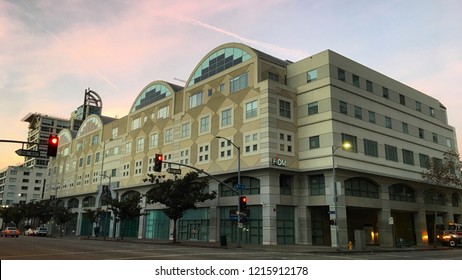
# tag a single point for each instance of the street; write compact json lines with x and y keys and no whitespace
{"x":46,"y":248}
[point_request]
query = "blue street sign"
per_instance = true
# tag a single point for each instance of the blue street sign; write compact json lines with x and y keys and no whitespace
{"x":239,"y":186}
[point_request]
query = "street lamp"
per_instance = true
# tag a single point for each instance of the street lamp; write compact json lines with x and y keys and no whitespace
{"x":345,"y":146}
{"x":239,"y":226}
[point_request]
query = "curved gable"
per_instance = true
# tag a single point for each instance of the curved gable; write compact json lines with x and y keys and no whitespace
{"x":152,"y":93}
{"x":92,"y":123}
{"x":220,"y":59}
{"x":65,"y":137}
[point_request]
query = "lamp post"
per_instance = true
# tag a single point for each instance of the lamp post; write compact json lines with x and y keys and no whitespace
{"x":346,"y":146}
{"x":239,"y":226}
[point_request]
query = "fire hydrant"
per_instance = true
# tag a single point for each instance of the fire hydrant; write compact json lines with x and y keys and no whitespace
{"x":350,"y":245}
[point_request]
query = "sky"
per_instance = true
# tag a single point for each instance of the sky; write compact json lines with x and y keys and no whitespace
{"x":52,"y":50}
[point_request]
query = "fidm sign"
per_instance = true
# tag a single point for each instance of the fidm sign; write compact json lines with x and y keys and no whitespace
{"x":279,"y":162}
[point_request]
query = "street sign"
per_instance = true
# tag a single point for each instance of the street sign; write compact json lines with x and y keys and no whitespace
{"x":27,"y":153}
{"x":174,"y":171}
{"x":239,"y":186}
{"x":330,"y":212}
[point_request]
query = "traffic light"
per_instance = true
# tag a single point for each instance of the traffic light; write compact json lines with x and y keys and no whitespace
{"x":53,"y":142}
{"x":158,"y":163}
{"x":242,"y":203}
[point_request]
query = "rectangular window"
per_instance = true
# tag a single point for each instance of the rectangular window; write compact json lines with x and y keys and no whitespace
{"x":421,"y":133}
{"x":204,"y":124}
{"x":88,"y":159}
{"x":313,"y":108}
{"x":371,"y":148}
{"x":272,"y":76}
{"x":358,"y":112}
{"x":356,"y":80}
{"x":346,"y":138}
{"x":408,"y":157}
{"x":203,"y":154}
{"x":391,"y":153}
{"x":312,"y":75}
{"x":140,"y":144}
{"x":136,"y":123}
{"x":388,"y":123}
{"x":128,"y":148}
{"x":343,"y":107}
{"x":418,"y":106}
{"x":369,"y":86}
{"x":341,"y":74}
{"x":424,"y":160}
{"x":285,"y":184}
{"x":284,"y":109}
{"x":251,"y":109}
{"x":314,"y":142}
{"x":185,"y":130}
{"x":405,"y":128}
{"x":402,"y":99}
{"x":317,"y":185}
{"x":251,"y":143}
{"x":154,"y":140}
{"x":371,"y":117}
{"x":195,"y":100}
{"x":238,"y":83}
{"x":225,"y":150}
{"x":385,"y":93}
{"x":432,"y":112}
{"x":168,"y":137}
{"x":226,"y":117}
{"x":162,"y":113}
{"x":435,"y":137}
{"x":115,"y":132}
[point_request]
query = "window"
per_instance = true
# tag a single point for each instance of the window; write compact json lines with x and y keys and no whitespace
{"x":238,"y":83}
{"x":138,"y":167}
{"x":435,"y":137}
{"x":418,"y":106}
{"x":225,"y":149}
{"x":184,"y":156}
{"x":154,"y":142}
{"x":385,"y":93}
{"x":405,"y":128}
{"x":226,"y":117}
{"x":88,"y":159}
{"x":195,"y":100}
{"x":401,"y":192}
{"x":284,"y":109}
{"x":251,"y":143}
{"x":371,"y":148}
{"x":312,"y":108}
{"x":97,"y":157}
{"x":314,"y":142}
{"x":388,"y":123}
{"x":209,"y":92}
{"x":204,"y":124}
{"x":251,"y":109}
{"x":136,"y":123}
{"x":421,"y":133}
{"x":285,"y":184}
{"x":312,"y":75}
{"x":361,"y":187}
{"x":128,"y":148}
{"x":341,"y":74}
{"x":424,"y":161}
{"x":203,"y":154}
{"x":356,"y":80}
{"x":162,"y":113}
{"x":358,"y":112}
{"x":222,"y":88}
{"x":369,"y":86}
{"x":317,"y":185}
{"x":352,"y":140}
{"x":285,"y":142}
{"x":186,"y":130}
{"x":402,"y":99}
{"x":115,"y":132}
{"x":140,"y":144}
{"x":371,"y":117}
{"x":408,"y":157}
{"x":343,"y":107}
{"x":80,"y":162}
{"x":168,"y":136}
{"x":391,"y":153}
{"x":95,"y":140}
{"x":272,"y":76}
{"x":432,"y":112}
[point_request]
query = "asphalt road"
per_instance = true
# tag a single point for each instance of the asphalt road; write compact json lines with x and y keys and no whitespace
{"x":45,"y":248}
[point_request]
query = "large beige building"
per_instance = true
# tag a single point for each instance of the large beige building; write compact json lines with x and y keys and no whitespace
{"x":286,"y":122}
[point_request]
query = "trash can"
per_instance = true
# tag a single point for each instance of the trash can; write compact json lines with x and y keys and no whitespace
{"x":223,"y":240}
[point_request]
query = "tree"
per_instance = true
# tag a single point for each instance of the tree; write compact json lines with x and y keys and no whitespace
{"x":179,"y":195}
{"x":62,"y":216}
{"x":94,"y":216}
{"x":442,"y":173}
{"x":125,"y":209}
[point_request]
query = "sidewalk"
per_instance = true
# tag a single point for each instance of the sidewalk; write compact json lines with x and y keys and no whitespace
{"x":259,"y":247}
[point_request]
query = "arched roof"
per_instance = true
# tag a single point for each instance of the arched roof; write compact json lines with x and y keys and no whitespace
{"x":90,"y":124}
{"x":154,"y":92}
{"x":220,"y":59}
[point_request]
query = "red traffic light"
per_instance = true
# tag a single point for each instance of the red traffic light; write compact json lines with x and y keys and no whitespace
{"x":242,"y":203}
{"x":158,"y":162}
{"x":53,"y":142}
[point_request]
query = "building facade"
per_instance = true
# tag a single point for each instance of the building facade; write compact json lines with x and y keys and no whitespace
{"x":19,"y":184}
{"x":283,"y":124}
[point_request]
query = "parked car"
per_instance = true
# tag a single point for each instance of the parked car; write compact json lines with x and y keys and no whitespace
{"x":453,"y":236}
{"x":41,"y":231}
{"x":11,"y":231}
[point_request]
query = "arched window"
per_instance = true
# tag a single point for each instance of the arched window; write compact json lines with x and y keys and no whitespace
{"x":361,"y":187}
{"x":401,"y":192}
{"x":130,"y":194}
{"x":89,"y":201}
{"x":455,"y":199}
{"x":60,"y":203}
{"x":432,"y":197}
{"x":251,"y":186}
{"x":73,"y":203}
